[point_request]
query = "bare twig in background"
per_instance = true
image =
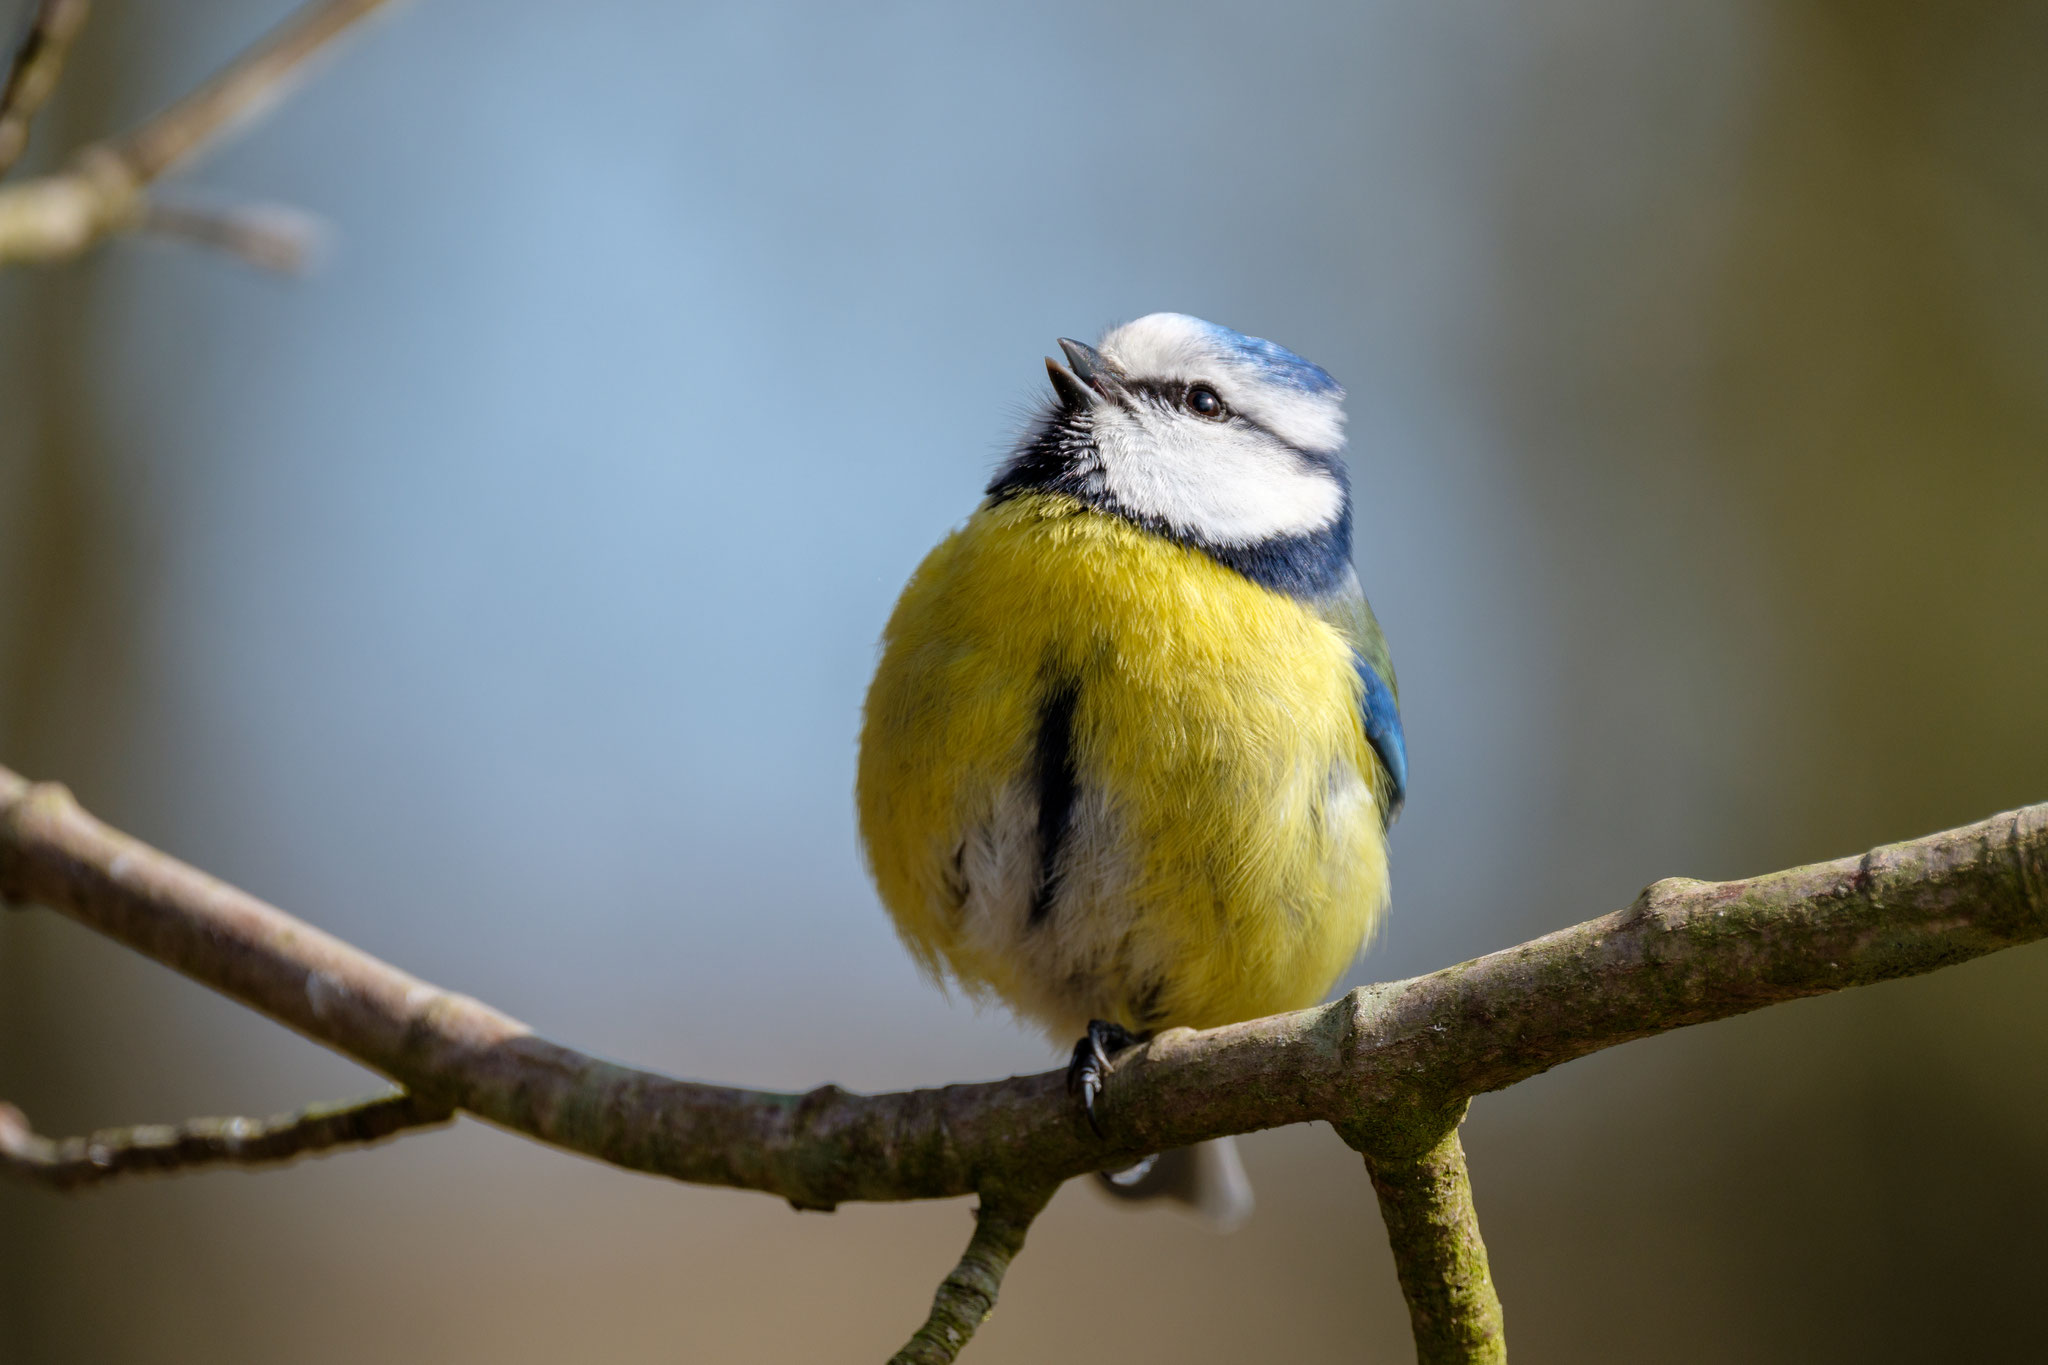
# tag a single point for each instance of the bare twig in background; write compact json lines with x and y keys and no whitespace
{"x":32,"y":75}
{"x":70,"y":1163}
{"x":270,"y":236}
{"x":104,"y":190}
{"x":968,"y":1295}
{"x":247,"y":88}
{"x":1392,"y":1066}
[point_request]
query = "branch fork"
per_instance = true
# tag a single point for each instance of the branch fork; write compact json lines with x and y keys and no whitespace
{"x":1392,"y":1066}
{"x":106,"y":188}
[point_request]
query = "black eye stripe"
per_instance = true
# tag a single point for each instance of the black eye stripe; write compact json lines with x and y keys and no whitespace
{"x":1174,"y":394}
{"x":1158,"y":391}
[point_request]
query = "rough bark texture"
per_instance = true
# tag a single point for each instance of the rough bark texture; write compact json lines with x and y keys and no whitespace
{"x":968,"y":1295}
{"x":1391,"y":1066}
{"x":1426,"y":1202}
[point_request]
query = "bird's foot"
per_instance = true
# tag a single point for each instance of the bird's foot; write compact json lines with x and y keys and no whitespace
{"x":1087,"y":1071}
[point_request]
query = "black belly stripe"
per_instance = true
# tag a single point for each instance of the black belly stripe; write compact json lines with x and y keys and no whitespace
{"x":1053,"y":764}
{"x":956,"y":881}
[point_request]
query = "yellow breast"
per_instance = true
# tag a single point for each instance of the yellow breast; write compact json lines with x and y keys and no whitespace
{"x":1224,"y":858}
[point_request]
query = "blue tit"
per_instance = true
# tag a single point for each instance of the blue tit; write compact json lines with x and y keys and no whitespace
{"x":1132,"y":747}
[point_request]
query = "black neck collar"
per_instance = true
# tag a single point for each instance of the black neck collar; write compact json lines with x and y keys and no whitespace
{"x":1059,"y":457}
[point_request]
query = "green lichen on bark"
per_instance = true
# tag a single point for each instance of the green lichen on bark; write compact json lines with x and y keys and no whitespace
{"x":967,"y":1296}
{"x":1439,"y":1256}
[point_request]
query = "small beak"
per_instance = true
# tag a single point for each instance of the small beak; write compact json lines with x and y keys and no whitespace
{"x":1073,"y":393}
{"x":1091,"y":380}
{"x":1086,"y":360}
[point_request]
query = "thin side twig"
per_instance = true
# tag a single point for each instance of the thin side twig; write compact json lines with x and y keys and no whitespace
{"x":32,"y":76}
{"x":105,"y":188}
{"x":150,"y":1149}
{"x":1439,"y":1256}
{"x":268,"y":236}
{"x":967,"y":1296}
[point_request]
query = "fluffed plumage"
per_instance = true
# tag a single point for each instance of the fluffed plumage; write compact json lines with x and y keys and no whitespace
{"x":1132,"y":745}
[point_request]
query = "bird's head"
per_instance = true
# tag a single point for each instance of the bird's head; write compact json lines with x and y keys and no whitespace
{"x":1225,"y":442}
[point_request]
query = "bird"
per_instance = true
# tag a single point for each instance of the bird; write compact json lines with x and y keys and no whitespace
{"x":1133,"y":743}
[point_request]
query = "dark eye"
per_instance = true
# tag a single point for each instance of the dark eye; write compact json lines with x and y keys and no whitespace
{"x":1203,"y":402}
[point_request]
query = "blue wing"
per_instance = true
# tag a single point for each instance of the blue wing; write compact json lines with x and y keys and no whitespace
{"x":1383,"y":731}
{"x":1379,"y":703}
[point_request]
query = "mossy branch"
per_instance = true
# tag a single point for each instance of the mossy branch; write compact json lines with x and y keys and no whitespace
{"x":967,"y":1296}
{"x":1439,"y":1256}
{"x":1390,"y":1065}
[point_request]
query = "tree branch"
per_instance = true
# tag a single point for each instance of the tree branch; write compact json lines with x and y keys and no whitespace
{"x":1392,"y":1066}
{"x":71,"y":1163}
{"x":967,"y":1296}
{"x":1426,"y":1202}
{"x":105,"y":188}
{"x":33,"y":75}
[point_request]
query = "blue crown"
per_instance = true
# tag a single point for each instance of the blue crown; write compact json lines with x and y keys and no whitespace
{"x":1274,"y":361}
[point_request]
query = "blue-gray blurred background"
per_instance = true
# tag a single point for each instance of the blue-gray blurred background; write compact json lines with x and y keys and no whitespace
{"x":501,"y":598}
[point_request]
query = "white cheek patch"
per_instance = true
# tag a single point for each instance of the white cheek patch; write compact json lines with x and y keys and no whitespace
{"x":1223,"y":483}
{"x":1309,"y":421}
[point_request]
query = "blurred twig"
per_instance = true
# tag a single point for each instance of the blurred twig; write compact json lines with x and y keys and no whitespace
{"x":1391,"y":1066}
{"x":104,"y":189}
{"x":70,"y":1163}
{"x":270,"y":236}
{"x":32,"y":75}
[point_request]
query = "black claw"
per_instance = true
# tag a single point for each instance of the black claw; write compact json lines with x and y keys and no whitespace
{"x":1085,"y":1072}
